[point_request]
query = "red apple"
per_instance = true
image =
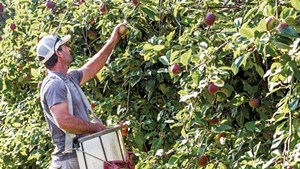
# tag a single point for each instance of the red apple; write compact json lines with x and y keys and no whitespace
{"x":93,"y":105}
{"x":124,"y":128}
{"x":270,"y":22}
{"x":254,"y":102}
{"x":103,"y":8}
{"x":214,"y":120}
{"x":283,"y":24}
{"x":290,"y":167}
{"x":219,"y":138}
{"x":50,"y":4}
{"x":202,"y":161}
{"x":91,"y":21}
{"x":12,"y":26}
{"x":176,"y":69}
{"x":212,"y":88}
{"x":91,"y":34}
{"x":1,"y":7}
{"x":27,"y":77}
{"x":209,"y":18}
{"x":135,"y":2}
{"x":81,"y":1}
{"x":122,"y":29}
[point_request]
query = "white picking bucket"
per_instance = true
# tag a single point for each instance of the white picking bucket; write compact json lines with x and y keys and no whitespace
{"x":96,"y":149}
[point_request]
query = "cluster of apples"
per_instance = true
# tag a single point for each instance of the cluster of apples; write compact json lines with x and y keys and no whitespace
{"x":208,"y":20}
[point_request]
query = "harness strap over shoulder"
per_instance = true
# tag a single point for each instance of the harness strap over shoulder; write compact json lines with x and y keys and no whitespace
{"x":86,"y":102}
{"x":69,"y":136}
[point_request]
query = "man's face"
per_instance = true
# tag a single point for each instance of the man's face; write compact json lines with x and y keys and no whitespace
{"x":66,"y":54}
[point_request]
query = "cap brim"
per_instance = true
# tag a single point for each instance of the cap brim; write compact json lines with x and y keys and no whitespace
{"x":65,"y":39}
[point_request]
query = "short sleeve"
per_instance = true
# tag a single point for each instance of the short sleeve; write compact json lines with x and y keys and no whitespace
{"x":76,"y":75}
{"x":55,"y":92}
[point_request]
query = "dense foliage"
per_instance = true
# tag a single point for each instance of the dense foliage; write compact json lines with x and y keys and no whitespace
{"x":173,"y":119}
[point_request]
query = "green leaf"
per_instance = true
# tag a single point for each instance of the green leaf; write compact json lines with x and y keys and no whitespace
{"x":293,"y":104}
{"x":296,"y":4}
{"x":259,"y":70}
{"x":174,"y":159}
{"x":183,"y":133}
{"x":164,"y":60}
{"x":250,"y":13}
{"x":288,"y":32}
{"x":156,"y":143}
{"x":147,"y":47}
{"x":34,"y":72}
{"x":135,"y":80}
{"x":158,"y":47}
{"x":16,"y":125}
{"x":139,"y":137}
{"x":247,"y":32}
{"x":250,"y":126}
{"x":174,"y":55}
{"x":150,"y":13}
{"x":237,"y":63}
{"x":223,"y":127}
{"x":151,"y":134}
{"x":185,"y":57}
{"x":170,"y":36}
{"x":282,"y":42}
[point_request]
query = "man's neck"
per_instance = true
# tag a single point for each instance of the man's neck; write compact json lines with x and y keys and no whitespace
{"x":60,"y":68}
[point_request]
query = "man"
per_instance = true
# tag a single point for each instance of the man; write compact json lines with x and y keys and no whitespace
{"x":64,"y":121}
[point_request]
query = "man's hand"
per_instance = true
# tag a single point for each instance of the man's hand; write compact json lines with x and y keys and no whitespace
{"x":116,"y":34}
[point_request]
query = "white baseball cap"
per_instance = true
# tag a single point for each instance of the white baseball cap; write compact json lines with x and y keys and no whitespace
{"x":48,"y":45}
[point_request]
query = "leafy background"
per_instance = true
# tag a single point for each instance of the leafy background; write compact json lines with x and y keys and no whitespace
{"x":168,"y":115}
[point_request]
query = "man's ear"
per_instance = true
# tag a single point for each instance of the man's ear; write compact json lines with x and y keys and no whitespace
{"x":58,"y":53}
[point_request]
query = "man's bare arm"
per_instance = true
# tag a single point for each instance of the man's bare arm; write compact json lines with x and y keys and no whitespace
{"x":95,"y":64}
{"x":72,"y":124}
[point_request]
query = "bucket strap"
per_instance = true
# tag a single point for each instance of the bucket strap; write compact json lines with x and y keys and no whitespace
{"x":87,"y":104}
{"x":68,"y":136}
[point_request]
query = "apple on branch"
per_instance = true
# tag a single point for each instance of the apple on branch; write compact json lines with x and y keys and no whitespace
{"x":176,"y":69}
{"x":135,"y":2}
{"x":253,"y":102}
{"x":123,"y":30}
{"x":212,"y":88}
{"x":209,"y":18}
{"x":124,"y":128}
{"x":1,"y":7}
{"x":103,"y":8}
{"x":271,"y":23}
{"x":214,"y":120}
{"x":50,"y":4}
{"x":91,"y":34}
{"x":202,"y":161}
{"x":12,"y":26}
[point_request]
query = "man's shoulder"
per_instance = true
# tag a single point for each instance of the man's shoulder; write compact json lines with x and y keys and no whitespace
{"x":75,"y":75}
{"x":52,"y":82}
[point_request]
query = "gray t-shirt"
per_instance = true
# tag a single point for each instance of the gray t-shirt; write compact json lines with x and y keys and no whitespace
{"x":54,"y":91}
